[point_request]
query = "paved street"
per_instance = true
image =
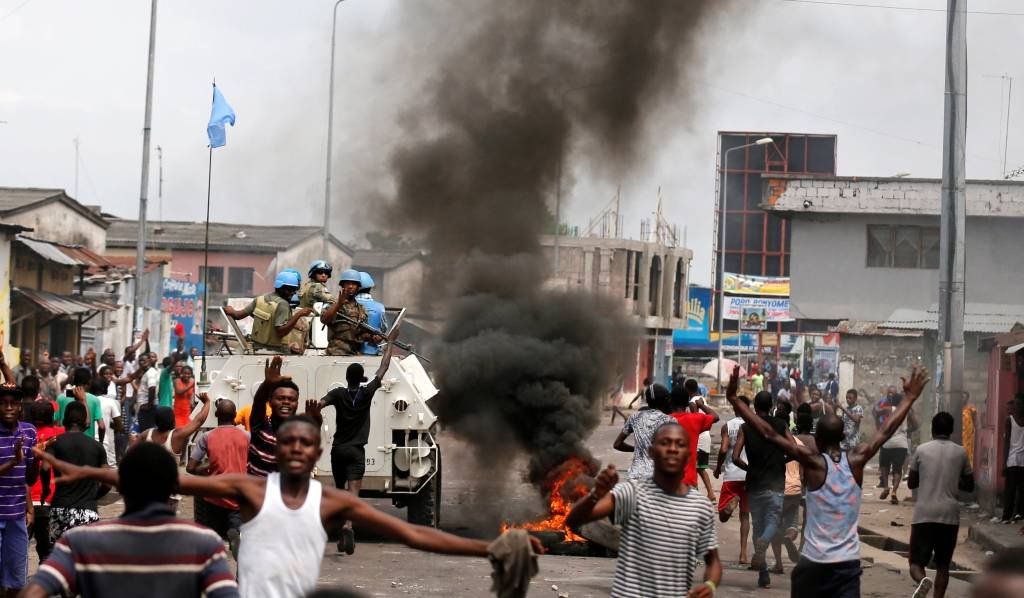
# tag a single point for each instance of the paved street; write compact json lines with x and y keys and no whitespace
{"x":386,"y":569}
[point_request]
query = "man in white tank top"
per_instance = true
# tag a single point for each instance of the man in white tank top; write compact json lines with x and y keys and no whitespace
{"x":1013,"y":472}
{"x":284,"y":516}
{"x":829,"y":566}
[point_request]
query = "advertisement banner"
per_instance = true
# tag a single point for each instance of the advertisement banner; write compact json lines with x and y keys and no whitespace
{"x":698,"y":318}
{"x":182,"y":299}
{"x":745,"y":284}
{"x":769,"y":310}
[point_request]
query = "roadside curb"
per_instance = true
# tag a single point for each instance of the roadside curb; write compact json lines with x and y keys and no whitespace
{"x":990,"y":539}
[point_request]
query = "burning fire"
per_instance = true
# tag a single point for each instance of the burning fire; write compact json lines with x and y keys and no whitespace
{"x":560,"y":499}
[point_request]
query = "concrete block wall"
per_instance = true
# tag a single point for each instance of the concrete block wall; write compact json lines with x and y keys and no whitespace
{"x":888,"y":195}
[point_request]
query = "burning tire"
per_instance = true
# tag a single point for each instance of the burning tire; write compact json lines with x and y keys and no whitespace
{"x":424,"y":507}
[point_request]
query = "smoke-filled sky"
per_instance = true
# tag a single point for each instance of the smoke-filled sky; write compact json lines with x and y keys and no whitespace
{"x":77,"y":69}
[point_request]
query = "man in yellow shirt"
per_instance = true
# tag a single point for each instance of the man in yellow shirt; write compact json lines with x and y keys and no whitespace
{"x":242,"y":416}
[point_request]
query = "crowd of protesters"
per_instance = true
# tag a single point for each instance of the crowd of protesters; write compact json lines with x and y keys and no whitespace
{"x":772,"y":460}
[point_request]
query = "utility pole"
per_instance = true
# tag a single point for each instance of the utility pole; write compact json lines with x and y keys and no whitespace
{"x":325,"y":252}
{"x":949,"y":393}
{"x":140,"y":246}
{"x":159,"y":183}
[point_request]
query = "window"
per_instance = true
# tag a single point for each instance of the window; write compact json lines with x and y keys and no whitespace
{"x":216,"y":280}
{"x":902,"y":247}
{"x":240,"y":281}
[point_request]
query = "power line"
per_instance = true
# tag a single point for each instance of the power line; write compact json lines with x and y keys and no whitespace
{"x":904,"y":8}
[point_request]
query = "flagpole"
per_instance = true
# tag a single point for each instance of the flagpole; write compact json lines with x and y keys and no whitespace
{"x":203,"y":380}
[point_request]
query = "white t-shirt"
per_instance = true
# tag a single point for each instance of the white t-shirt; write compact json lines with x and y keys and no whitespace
{"x":704,"y":440}
{"x":110,"y":409}
{"x":129,"y":369}
{"x":731,"y":473}
{"x":150,"y":379}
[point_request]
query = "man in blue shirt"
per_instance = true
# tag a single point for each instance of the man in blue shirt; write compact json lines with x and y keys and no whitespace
{"x":374,"y":311}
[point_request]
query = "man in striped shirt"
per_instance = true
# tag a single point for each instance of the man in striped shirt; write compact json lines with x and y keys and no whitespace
{"x":17,"y":468}
{"x":666,"y":524}
{"x":283,"y":396}
{"x":146,"y":552}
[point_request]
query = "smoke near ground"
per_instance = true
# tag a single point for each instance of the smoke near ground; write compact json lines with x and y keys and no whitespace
{"x":521,"y":367}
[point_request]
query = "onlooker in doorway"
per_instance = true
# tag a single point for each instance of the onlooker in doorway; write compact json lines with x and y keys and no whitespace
{"x":832,"y":388}
{"x":1013,"y":468}
{"x":940,"y":469}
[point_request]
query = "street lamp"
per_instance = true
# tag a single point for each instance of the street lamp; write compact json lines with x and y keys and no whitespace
{"x":721,"y":251}
{"x":330,"y":137}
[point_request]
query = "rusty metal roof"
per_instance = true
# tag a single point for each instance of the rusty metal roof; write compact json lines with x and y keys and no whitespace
{"x":988,"y":318}
{"x":62,"y":305}
{"x":67,"y":255}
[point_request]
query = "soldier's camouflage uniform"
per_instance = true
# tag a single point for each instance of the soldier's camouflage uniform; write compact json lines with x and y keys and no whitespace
{"x":347,"y":339}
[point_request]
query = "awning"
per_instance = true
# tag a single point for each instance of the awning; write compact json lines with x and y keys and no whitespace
{"x":62,"y":305}
{"x":1014,"y":349}
{"x":49,"y":251}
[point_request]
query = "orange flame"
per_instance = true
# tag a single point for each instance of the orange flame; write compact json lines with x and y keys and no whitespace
{"x":560,"y":500}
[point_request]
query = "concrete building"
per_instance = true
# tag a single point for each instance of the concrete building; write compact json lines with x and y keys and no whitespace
{"x":865,"y":257}
{"x":54,"y":216}
{"x":243,"y":258}
{"x":398,"y":277}
{"x":649,"y":277}
{"x":49,"y":307}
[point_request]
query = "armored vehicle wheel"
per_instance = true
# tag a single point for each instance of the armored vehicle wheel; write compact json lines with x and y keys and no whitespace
{"x":425,"y":506}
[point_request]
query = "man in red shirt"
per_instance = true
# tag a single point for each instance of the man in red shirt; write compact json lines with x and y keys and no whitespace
{"x":694,"y":424}
{"x":227,"y":448}
{"x":41,"y":415}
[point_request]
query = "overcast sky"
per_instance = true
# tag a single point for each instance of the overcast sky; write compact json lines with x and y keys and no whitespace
{"x":77,"y":69}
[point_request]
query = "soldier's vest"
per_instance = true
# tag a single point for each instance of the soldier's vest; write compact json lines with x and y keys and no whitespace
{"x":263,"y":331}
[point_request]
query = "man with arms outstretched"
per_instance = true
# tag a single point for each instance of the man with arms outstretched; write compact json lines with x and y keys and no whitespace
{"x":829,"y":566}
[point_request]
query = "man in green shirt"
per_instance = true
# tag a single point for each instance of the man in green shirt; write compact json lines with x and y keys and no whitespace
{"x":272,"y":317}
{"x":80,"y":379}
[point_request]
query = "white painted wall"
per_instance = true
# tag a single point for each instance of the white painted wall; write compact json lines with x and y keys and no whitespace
{"x":59,"y":223}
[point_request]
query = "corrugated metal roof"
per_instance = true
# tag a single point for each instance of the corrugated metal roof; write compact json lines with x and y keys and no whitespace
{"x":869,"y":328}
{"x":382,"y":260}
{"x":86,"y":257}
{"x":249,"y":238}
{"x":988,"y":318}
{"x":49,"y":251}
{"x":62,"y":305}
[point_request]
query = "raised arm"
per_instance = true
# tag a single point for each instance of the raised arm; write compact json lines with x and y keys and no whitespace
{"x":620,"y":444}
{"x":911,"y":391}
{"x":5,"y":368}
{"x":703,"y":406}
{"x":346,"y":505}
{"x":271,"y":376}
{"x":327,"y":318}
{"x":389,"y":350}
{"x":181,"y":435}
{"x":599,"y":503}
{"x":73,"y":473}
{"x":143,"y":339}
{"x":297,"y":315}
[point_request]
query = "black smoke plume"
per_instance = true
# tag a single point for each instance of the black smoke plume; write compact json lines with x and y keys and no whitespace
{"x":520,"y":366}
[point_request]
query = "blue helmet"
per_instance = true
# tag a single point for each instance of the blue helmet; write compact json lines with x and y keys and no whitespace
{"x":322,"y":266}
{"x":365,"y":280}
{"x":287,"y":278}
{"x":351,"y":275}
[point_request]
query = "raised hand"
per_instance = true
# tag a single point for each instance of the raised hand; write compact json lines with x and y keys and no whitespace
{"x":734,"y":382}
{"x":79,"y":393}
{"x":203,"y":397}
{"x":606,"y":480}
{"x":272,"y":371}
{"x":313,"y":410}
{"x":918,"y":380}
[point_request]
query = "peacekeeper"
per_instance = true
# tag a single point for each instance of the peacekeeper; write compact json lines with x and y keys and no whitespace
{"x":272,"y":317}
{"x":347,"y":338}
{"x":314,"y":290}
{"x":374,"y":311}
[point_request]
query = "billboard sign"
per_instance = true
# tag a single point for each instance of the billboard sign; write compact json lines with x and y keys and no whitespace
{"x":771,"y":310}
{"x":698,"y":318}
{"x":745,"y":284}
{"x":182,"y":299}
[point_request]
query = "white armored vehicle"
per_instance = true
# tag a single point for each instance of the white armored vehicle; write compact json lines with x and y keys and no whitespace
{"x":403,"y":461}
